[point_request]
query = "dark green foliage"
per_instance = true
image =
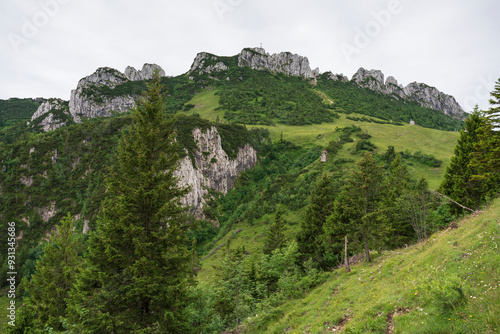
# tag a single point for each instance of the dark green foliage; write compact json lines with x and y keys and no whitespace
{"x":364,"y":145}
{"x":278,"y":178}
{"x":458,"y":182}
{"x":275,"y":237}
{"x":139,"y":265}
{"x":264,"y":98}
{"x":48,"y":290}
{"x":372,"y":120}
{"x":357,"y":212}
{"x":426,"y":159}
{"x":486,"y":155}
{"x":353,"y":99}
{"x":17,"y":110}
{"x":311,"y":228}
{"x":179,"y":91}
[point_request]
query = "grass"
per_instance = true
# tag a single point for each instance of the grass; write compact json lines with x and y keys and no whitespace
{"x":414,"y":138}
{"x":205,"y":104}
{"x":450,"y":284}
{"x":251,"y":237}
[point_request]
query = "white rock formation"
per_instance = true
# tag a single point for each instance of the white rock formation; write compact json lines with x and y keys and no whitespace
{"x":283,"y":62}
{"x":207,"y":63}
{"x":214,"y":170}
{"x":424,"y":95}
{"x":87,"y":101}
{"x":145,"y":74}
{"x":49,"y":121}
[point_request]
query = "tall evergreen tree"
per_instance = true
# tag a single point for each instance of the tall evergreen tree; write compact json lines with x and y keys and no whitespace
{"x":48,"y":290}
{"x":275,"y":238}
{"x":311,"y":228}
{"x":486,"y":158}
{"x":357,"y":211}
{"x":396,"y":185}
{"x":139,"y":264}
{"x":458,"y":182}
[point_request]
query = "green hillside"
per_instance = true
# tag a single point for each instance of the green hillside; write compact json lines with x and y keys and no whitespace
{"x":17,"y":110}
{"x":448,"y":284}
{"x":334,"y":160}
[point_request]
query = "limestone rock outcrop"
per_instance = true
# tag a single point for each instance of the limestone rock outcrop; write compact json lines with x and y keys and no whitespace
{"x":212,"y":168}
{"x":283,"y":62}
{"x":145,"y":74}
{"x":424,"y":95}
{"x":50,"y":115}
{"x":207,"y":63}
{"x":88,"y":100}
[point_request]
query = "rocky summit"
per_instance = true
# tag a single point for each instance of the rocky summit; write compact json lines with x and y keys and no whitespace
{"x":283,"y":62}
{"x":88,"y":101}
{"x":424,"y":95}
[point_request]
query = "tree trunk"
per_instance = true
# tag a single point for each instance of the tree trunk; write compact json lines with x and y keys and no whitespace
{"x":346,"y":257}
{"x":367,"y":250}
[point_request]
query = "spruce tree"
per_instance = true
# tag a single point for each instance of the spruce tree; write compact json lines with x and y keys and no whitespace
{"x":357,"y":211}
{"x":139,"y":266}
{"x":486,"y":156}
{"x":459,"y":182}
{"x":396,"y":185}
{"x":275,"y":238}
{"x":48,"y":290}
{"x":311,"y":228}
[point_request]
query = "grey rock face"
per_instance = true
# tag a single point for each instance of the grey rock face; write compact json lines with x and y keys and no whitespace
{"x":431,"y":97}
{"x":283,"y":62}
{"x":44,"y":115}
{"x":215,"y":170}
{"x":207,"y":63}
{"x":145,"y":74}
{"x":86,"y":101}
{"x":338,"y":77}
{"x":424,"y":95}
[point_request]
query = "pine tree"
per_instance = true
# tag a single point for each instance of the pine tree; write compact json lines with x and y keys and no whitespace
{"x":459,"y":183}
{"x":139,"y":266}
{"x":311,"y":228}
{"x":275,"y":238}
{"x":48,"y":289}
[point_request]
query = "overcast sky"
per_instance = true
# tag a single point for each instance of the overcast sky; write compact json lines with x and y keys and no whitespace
{"x":46,"y":46}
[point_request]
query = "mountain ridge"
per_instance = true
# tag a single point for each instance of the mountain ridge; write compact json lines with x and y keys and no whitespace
{"x":86,"y":101}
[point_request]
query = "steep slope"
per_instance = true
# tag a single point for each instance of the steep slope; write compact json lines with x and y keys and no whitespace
{"x":449,"y":284}
{"x":45,"y":176}
{"x":16,"y":110}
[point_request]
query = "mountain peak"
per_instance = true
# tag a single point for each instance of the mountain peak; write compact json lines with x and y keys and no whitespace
{"x":422,"y":94}
{"x":257,"y":59}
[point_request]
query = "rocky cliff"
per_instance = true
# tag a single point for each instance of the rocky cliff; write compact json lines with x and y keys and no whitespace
{"x":207,"y":63}
{"x":50,"y":115}
{"x":257,"y":59}
{"x":90,"y":100}
{"x":212,"y":168}
{"x":283,"y":62}
{"x":424,"y":95}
